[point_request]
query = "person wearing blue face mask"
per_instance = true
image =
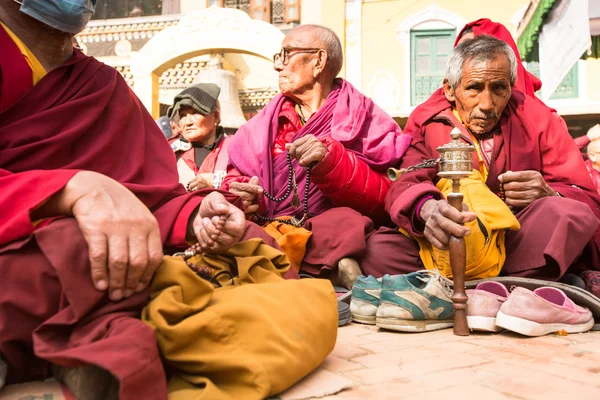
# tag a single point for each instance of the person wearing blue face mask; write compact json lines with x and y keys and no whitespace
{"x":69,"y":16}
{"x":90,"y":197}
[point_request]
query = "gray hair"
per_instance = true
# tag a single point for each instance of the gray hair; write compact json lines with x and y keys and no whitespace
{"x":331,"y":44}
{"x":481,"y":48}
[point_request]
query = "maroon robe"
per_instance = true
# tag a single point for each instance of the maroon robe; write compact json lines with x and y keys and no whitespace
{"x":80,"y":116}
{"x":555,"y":232}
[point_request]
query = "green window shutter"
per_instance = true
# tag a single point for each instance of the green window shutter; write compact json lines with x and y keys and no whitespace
{"x":429,"y":52}
{"x":568,"y":88}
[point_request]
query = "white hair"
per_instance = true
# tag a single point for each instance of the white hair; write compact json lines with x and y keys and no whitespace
{"x":481,"y":48}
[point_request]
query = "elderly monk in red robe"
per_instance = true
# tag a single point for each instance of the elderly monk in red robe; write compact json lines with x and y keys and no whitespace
{"x":321,"y":122}
{"x":523,"y":148}
{"x":526,"y":82}
{"x":90,"y":196}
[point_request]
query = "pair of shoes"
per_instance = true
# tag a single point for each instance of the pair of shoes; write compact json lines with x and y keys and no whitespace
{"x":415,"y":302}
{"x":592,"y":282}
{"x":346,"y":273}
{"x":531,"y":313}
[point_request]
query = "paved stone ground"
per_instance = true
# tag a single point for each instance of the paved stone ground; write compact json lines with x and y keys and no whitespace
{"x":438,"y":365}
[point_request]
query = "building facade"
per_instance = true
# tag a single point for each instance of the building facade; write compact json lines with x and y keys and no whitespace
{"x":395,"y":50}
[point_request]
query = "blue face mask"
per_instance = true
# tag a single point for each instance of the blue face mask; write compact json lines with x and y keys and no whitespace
{"x":65,"y":15}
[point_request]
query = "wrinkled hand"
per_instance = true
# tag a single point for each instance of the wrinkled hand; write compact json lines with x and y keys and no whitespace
{"x":123,"y":236}
{"x":200,"y":181}
{"x":248,"y":192}
{"x":442,"y":221}
{"x":594,"y":132}
{"x":524,"y":187}
{"x":219,"y":224}
{"x":307,"y":150}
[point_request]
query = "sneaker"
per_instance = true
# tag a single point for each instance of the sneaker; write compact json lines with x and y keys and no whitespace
{"x":483,"y":305}
{"x":592,"y":282}
{"x":415,"y":302}
{"x":365,"y":299}
{"x":346,"y":273}
{"x":545,"y":310}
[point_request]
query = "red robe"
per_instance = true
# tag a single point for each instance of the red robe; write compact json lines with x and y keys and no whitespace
{"x":532,"y":138}
{"x":80,"y":116}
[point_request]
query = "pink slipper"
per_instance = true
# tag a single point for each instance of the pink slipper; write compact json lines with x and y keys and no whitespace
{"x":545,"y":310}
{"x":483,"y":306}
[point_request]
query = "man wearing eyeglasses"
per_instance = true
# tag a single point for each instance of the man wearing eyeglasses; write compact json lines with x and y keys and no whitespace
{"x":324,"y":122}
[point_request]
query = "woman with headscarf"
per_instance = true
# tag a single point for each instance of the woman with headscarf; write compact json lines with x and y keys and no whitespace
{"x":201,"y":145}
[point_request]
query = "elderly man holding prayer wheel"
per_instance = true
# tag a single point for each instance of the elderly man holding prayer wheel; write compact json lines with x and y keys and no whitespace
{"x":312,"y":165}
{"x":530,"y":209}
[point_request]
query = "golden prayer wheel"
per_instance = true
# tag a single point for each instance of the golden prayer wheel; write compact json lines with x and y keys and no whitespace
{"x":456,"y":162}
{"x":456,"y":158}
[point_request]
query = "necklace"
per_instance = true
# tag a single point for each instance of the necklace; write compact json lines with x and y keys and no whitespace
{"x":291,"y":186}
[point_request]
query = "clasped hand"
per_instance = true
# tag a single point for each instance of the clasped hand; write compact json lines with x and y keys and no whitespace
{"x":307,"y":150}
{"x":524,"y":187}
{"x":219,"y":224}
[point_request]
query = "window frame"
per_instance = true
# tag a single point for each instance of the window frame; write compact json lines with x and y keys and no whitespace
{"x":265,"y":10}
{"x":286,"y":19}
{"x":430,"y":33}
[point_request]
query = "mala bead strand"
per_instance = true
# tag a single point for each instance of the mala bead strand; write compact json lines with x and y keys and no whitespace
{"x":293,"y":221}
{"x":203,"y":272}
{"x":288,"y":190}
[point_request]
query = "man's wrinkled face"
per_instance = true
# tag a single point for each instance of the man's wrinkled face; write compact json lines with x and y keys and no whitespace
{"x":482,"y":94}
{"x":196,"y":127}
{"x":298,"y":75}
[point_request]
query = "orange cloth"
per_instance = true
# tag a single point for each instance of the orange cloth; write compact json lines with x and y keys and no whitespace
{"x":249,"y":339}
{"x":292,"y":240}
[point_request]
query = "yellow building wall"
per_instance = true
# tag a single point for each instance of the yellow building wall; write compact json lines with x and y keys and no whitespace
{"x":592,"y":67}
{"x":381,"y":49}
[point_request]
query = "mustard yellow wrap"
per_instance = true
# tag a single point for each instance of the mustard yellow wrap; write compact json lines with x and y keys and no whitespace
{"x":486,"y":252}
{"x":250,"y":339}
{"x":291,"y":239}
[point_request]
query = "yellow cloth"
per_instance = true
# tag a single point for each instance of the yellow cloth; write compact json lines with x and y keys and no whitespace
{"x":292,"y":240}
{"x":249,"y":340}
{"x":485,"y":246}
{"x":37,"y":70}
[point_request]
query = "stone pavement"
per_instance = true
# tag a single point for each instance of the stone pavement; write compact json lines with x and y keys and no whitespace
{"x":438,"y":365}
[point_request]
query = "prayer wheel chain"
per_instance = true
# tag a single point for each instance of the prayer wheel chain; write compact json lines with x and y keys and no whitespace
{"x":291,"y":186}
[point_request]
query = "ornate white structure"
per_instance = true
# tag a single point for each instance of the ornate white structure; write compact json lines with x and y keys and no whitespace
{"x":213,"y":30}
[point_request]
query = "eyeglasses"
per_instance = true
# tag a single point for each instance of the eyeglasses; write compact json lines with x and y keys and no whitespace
{"x":287,"y":52}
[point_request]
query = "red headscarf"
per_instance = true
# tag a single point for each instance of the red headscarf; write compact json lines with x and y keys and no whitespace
{"x":526,"y":81}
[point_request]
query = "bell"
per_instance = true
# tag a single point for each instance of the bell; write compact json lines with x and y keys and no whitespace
{"x":232,"y":116}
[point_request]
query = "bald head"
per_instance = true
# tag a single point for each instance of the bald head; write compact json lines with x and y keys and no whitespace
{"x":322,"y":37}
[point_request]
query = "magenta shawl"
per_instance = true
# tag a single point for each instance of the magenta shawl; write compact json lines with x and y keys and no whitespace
{"x":347,"y":116}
